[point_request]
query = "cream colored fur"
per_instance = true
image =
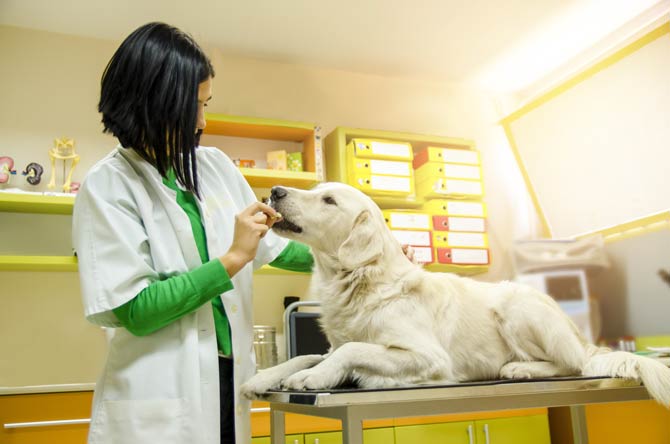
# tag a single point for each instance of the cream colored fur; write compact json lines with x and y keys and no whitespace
{"x":391,"y":323}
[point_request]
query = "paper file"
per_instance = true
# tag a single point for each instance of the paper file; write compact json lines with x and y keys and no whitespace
{"x":380,"y":149}
{"x":407,"y":220}
{"x":462,"y":256}
{"x":455,"y":223}
{"x":446,"y":239}
{"x":454,"y":207}
{"x":412,"y":237}
{"x":448,"y":155}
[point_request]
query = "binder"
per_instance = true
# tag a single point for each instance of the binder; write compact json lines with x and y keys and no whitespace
{"x":457,"y":223}
{"x":407,"y":220}
{"x":449,"y":155}
{"x":454,"y":207}
{"x":449,"y":239}
{"x":377,"y":185}
{"x":380,"y":149}
{"x":435,"y":170}
{"x":362,"y":166}
{"x":463,"y":256}
{"x":423,"y":255}
{"x":444,"y":187}
{"x":413,"y":237}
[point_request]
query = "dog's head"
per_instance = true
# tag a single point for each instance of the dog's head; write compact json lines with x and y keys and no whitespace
{"x":332,"y":218}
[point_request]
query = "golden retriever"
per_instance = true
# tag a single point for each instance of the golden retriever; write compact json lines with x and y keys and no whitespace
{"x":390,"y":323}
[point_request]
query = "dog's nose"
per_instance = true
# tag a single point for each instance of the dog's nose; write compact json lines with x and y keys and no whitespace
{"x":277,"y":193}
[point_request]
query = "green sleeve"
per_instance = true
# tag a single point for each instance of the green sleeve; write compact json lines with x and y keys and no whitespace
{"x":165,"y":301}
{"x":295,"y":257}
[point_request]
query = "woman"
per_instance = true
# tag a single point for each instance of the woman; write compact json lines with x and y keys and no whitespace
{"x":167,"y":235}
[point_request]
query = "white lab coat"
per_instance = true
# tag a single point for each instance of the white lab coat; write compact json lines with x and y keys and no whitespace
{"x":129,"y":231}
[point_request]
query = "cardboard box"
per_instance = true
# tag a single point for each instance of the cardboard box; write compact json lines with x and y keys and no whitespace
{"x":294,"y":161}
{"x":276,"y":160}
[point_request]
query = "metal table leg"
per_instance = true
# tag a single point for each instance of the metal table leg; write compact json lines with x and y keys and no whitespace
{"x":579,"y":428}
{"x":352,"y":428}
{"x":277,"y":427}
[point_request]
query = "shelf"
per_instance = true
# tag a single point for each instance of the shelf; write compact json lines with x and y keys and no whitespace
{"x":69,"y":263}
{"x":308,"y":134}
{"x":462,"y":270}
{"x":38,"y":263}
{"x":262,"y":178}
{"x":337,"y":140}
{"x":36,"y":203}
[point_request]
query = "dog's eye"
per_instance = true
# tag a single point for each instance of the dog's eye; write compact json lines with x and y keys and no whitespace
{"x":329,"y":200}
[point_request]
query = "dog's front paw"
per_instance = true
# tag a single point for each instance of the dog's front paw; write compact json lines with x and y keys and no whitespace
{"x":258,"y":385}
{"x":312,"y":379}
{"x":515,"y":370}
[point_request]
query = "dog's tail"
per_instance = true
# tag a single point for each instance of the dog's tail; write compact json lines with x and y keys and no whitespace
{"x":654,"y":375}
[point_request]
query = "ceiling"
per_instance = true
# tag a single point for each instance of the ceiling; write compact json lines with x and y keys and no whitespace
{"x":498,"y":45}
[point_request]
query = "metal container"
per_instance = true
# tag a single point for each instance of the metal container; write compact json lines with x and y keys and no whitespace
{"x":265,"y":346}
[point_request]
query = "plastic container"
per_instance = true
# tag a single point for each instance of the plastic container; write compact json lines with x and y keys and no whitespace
{"x":265,"y":346}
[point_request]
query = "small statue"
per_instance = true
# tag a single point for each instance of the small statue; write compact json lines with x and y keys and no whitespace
{"x":33,"y":171}
{"x":6,"y":169}
{"x":63,"y":150}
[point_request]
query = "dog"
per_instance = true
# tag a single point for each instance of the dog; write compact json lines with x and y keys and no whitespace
{"x":391,"y":323}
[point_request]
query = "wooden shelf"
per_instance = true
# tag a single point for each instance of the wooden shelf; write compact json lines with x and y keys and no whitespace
{"x":463,"y":270}
{"x":36,"y":203}
{"x":38,"y":263}
{"x":262,"y":178}
{"x":69,"y":263}
{"x":308,"y":134}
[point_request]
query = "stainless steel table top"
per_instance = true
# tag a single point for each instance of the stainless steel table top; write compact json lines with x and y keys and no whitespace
{"x":565,"y":391}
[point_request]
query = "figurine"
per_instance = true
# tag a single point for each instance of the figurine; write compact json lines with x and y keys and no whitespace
{"x":34,"y":172}
{"x":63,"y":150}
{"x":6,"y":169}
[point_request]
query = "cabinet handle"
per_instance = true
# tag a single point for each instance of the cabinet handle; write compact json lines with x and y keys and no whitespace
{"x":486,"y":434}
{"x":316,"y":440}
{"x":259,"y":409}
{"x":23,"y":425}
{"x":470,"y":437}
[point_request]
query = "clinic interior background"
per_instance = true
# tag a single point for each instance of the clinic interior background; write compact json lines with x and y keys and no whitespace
{"x":49,"y":84}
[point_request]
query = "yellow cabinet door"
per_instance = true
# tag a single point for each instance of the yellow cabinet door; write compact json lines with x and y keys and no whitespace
{"x":628,"y":422}
{"x":290,"y":439}
{"x":17,"y":412}
{"x":370,"y":436}
{"x":449,"y":432}
{"x":518,"y":430}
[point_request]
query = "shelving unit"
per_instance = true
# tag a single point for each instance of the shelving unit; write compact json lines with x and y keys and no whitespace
{"x":335,"y":145}
{"x":308,"y":134}
{"x":336,"y":162}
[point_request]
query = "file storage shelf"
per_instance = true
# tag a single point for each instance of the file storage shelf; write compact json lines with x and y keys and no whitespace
{"x":343,"y":166}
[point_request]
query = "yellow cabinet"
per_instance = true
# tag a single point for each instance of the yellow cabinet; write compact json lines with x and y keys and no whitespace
{"x":370,"y":436}
{"x":67,"y":413}
{"x":449,"y":432}
{"x":290,"y":439}
{"x":519,"y":430}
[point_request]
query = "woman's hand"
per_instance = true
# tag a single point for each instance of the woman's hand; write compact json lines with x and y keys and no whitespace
{"x":250,"y":227}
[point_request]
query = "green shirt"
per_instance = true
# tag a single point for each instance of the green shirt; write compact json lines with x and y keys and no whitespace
{"x":165,"y":301}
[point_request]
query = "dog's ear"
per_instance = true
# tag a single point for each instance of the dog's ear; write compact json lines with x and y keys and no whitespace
{"x":363,"y":245}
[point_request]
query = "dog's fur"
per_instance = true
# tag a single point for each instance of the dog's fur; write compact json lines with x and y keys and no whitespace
{"x":390,"y":323}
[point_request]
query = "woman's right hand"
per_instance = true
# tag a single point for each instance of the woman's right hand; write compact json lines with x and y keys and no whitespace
{"x":250,"y":227}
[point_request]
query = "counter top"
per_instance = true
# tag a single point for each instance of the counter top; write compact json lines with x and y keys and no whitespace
{"x":55,"y":388}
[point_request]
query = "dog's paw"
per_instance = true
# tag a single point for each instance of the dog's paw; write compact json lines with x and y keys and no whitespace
{"x":515,"y":370}
{"x":258,"y":386}
{"x":311,"y":379}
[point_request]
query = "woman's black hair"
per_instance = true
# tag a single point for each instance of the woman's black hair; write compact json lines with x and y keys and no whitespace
{"x":149,"y":98}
